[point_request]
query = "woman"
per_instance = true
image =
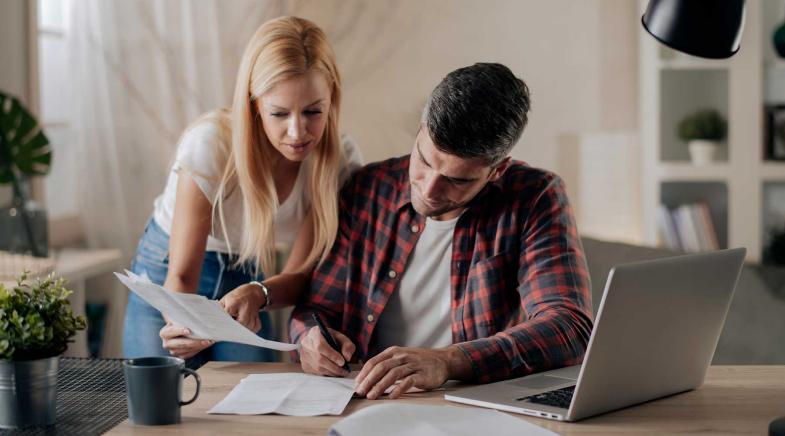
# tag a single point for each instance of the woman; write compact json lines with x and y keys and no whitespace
{"x":265,"y":173}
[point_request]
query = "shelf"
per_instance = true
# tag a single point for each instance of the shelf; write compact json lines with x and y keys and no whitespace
{"x":685,"y":171}
{"x":742,"y":191}
{"x":773,"y":171}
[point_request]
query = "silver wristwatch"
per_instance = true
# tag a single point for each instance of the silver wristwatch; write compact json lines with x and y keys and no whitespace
{"x":265,"y":291}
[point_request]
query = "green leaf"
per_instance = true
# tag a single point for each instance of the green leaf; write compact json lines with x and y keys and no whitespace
{"x":36,"y":319}
{"x":24,"y":148}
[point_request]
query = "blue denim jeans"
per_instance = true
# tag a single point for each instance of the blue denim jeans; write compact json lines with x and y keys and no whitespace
{"x":219,"y":276}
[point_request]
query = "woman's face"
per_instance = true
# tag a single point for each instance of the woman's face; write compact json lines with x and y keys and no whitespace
{"x":294,"y":114}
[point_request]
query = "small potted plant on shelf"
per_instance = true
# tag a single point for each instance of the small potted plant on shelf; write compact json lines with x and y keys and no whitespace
{"x":703,"y":131}
{"x":36,"y":325}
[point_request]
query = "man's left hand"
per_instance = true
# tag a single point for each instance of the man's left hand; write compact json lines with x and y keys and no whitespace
{"x":410,"y":367}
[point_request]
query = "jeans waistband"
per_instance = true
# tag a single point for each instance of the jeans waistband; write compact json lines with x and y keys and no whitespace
{"x":157,"y":236}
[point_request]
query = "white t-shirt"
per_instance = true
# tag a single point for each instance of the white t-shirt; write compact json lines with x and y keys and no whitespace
{"x":200,"y":155}
{"x":418,"y":312}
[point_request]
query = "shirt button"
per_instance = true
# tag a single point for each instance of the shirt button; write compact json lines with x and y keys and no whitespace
{"x":369,"y":318}
{"x":392,"y":274}
{"x":415,"y":228}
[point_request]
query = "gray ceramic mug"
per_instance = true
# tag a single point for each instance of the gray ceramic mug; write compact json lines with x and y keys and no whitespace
{"x":153,"y":386}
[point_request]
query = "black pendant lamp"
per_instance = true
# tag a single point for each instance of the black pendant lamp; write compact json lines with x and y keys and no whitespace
{"x":705,"y":28}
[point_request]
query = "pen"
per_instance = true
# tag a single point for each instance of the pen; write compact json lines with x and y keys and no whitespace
{"x":329,"y":338}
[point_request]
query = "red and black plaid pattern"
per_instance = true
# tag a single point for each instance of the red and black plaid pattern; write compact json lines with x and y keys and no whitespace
{"x":521,"y":299}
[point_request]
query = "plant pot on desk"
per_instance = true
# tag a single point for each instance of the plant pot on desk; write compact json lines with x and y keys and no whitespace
{"x":28,"y":392}
{"x":702,"y":151}
{"x":36,"y":324}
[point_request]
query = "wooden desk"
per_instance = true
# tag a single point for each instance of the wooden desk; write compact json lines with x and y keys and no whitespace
{"x":734,"y":400}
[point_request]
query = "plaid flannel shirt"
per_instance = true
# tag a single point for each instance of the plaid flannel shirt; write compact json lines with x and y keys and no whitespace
{"x":521,"y":300}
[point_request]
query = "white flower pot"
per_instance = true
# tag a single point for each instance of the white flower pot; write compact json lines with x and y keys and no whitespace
{"x":702,"y":151}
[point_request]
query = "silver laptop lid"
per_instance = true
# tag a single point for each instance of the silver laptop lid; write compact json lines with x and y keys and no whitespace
{"x":656,"y":330}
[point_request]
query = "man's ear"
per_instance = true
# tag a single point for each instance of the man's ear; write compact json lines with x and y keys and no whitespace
{"x":499,"y":169}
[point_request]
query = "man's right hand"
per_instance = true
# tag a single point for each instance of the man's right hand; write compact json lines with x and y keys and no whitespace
{"x":318,"y":357}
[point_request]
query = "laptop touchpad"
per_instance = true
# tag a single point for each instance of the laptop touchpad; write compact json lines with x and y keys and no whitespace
{"x":541,"y":382}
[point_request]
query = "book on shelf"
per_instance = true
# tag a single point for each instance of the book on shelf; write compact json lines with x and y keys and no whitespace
{"x":688,"y":227}
{"x":707,"y":226}
{"x":667,"y":228}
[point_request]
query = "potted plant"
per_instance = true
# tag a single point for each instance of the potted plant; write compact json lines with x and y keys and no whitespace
{"x":24,"y":153}
{"x":36,"y":325}
{"x":703,"y":131}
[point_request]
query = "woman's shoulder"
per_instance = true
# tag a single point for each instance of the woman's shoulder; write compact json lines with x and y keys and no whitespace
{"x":204,"y":145}
{"x":212,"y":130}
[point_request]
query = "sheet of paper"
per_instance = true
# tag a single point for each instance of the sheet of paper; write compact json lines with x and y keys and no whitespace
{"x":161,"y":301}
{"x":205,"y":318}
{"x":292,"y":394}
{"x":421,"y":419}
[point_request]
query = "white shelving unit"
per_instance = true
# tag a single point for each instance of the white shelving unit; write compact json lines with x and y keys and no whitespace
{"x":672,"y":85}
{"x":686,"y":172}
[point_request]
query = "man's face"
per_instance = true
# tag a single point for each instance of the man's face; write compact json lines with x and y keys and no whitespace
{"x":442,"y":184}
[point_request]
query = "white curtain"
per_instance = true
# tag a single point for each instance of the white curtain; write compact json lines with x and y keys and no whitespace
{"x":140,"y":72}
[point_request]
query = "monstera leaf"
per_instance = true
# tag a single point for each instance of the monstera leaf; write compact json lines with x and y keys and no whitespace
{"x":24,"y":148}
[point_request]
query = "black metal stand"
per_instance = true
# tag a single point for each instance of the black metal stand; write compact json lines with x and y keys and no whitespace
{"x":90,"y":399}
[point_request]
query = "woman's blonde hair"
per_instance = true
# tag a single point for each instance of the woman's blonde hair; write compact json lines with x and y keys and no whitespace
{"x":280,"y":49}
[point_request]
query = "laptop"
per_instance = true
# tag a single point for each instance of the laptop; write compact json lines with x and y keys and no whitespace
{"x":655,"y":333}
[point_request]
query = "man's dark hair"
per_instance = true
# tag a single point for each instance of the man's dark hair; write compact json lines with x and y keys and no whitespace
{"x":478,"y":112}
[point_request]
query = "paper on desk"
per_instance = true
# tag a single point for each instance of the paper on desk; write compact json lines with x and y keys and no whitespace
{"x":205,"y":318}
{"x":294,"y":394}
{"x":422,"y":419}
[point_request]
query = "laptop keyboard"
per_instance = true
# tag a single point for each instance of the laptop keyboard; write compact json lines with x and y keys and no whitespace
{"x":558,"y":398}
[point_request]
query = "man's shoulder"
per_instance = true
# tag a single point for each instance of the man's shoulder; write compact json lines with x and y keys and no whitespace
{"x":390,"y":172}
{"x":523,"y":178}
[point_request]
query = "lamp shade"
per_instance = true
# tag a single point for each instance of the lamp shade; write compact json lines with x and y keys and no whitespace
{"x":705,"y":28}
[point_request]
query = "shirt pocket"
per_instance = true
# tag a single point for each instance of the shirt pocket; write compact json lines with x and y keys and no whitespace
{"x":492,"y":298}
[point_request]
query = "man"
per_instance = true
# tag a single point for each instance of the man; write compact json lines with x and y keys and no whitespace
{"x":454,"y":262}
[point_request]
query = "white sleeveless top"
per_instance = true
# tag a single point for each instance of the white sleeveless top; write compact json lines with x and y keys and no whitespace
{"x":199,"y":155}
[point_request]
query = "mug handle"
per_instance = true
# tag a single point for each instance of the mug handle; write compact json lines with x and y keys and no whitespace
{"x":187,"y":372}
